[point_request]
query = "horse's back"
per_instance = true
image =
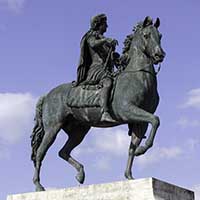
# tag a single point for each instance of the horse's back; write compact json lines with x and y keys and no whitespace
{"x":62,"y":89}
{"x":54,"y":105}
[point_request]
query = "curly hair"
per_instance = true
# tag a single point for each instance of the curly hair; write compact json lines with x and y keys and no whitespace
{"x":97,"y":20}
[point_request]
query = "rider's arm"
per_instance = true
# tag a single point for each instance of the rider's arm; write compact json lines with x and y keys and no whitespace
{"x":93,"y":42}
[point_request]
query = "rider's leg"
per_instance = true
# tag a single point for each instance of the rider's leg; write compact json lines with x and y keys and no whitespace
{"x":107,"y":86}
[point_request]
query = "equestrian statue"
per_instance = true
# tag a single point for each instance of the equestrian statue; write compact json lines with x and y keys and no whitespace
{"x":110,"y":90}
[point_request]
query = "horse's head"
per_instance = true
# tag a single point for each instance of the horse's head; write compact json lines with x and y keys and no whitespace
{"x":149,"y":39}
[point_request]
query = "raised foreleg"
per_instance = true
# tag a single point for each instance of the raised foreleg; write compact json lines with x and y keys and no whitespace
{"x":133,"y":114}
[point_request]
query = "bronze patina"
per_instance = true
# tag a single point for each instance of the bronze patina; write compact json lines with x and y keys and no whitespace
{"x":127,"y":96}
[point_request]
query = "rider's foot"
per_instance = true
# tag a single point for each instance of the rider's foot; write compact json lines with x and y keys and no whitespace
{"x":74,"y":84}
{"x":106,"y":117}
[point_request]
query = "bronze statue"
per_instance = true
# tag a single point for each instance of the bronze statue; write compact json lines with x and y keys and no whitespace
{"x":133,"y":100}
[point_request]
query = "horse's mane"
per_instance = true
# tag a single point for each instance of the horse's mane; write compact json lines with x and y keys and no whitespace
{"x":129,"y":38}
{"x":127,"y":44}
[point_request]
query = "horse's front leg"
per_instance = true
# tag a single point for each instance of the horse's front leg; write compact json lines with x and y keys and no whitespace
{"x":149,"y":142}
{"x":137,"y":134}
{"x":134,"y":114}
{"x":135,"y":142}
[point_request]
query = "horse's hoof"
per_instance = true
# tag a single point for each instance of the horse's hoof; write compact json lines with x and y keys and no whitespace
{"x":140,"y":150}
{"x":39,"y":188}
{"x":80,"y":177}
{"x":128,"y":176}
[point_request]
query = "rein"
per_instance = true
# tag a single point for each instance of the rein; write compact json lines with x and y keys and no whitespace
{"x":159,"y":67}
{"x":144,"y":70}
{"x":141,"y":70}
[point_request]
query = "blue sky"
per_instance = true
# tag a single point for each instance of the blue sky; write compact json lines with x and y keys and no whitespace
{"x":40,"y":50}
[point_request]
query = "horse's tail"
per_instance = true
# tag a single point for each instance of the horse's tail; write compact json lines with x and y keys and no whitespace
{"x":38,"y":130}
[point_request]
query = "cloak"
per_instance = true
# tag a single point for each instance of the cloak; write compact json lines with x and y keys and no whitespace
{"x":85,"y":59}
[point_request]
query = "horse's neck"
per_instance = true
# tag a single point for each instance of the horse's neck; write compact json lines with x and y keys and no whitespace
{"x":138,"y":61}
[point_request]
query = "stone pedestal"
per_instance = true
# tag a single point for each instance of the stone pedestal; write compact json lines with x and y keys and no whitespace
{"x":140,"y":189}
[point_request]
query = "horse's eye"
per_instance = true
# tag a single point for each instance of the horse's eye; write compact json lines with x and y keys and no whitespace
{"x":146,"y":35}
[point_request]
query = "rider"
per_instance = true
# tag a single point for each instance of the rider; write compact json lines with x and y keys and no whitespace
{"x":95,"y":65}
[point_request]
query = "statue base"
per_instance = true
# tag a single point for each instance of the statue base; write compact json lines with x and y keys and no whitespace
{"x":139,"y":189}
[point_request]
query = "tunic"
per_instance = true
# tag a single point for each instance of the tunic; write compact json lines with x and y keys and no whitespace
{"x":94,"y":53}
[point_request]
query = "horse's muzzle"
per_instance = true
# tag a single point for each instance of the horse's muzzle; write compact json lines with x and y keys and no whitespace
{"x":159,"y":57}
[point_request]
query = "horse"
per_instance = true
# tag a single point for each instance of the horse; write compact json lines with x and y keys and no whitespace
{"x":134,"y":100}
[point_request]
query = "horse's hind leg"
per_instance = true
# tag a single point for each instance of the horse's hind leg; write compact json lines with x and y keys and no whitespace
{"x":76,"y":136}
{"x":47,"y":141}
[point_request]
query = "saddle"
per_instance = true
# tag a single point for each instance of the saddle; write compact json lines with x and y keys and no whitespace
{"x":84,"y":96}
{"x":87,"y":95}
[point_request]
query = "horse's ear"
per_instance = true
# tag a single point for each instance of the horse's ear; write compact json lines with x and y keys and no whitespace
{"x":157,"y":23}
{"x":147,"y":21}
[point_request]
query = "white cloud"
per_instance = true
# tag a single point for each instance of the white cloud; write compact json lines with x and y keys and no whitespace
{"x":159,"y":153}
{"x":196,"y":190}
{"x":84,"y":149}
{"x":4,"y":152}
{"x":114,"y":142}
{"x":108,"y":142}
{"x":186,"y":122}
{"x":193,"y":143}
{"x":16,"y":116}
{"x":13,"y":5}
{"x":103,"y":163}
{"x":193,"y":99}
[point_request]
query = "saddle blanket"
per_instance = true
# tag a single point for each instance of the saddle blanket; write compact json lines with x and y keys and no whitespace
{"x":79,"y":97}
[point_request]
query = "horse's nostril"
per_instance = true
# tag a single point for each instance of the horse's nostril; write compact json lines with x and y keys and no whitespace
{"x":162,"y":56}
{"x":159,"y":56}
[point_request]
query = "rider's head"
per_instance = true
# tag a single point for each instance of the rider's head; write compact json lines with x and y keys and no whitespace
{"x":99,"y":22}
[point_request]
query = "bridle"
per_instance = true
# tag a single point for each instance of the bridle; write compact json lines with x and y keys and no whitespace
{"x":145,"y":70}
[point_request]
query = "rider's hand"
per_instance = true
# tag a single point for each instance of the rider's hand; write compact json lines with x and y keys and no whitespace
{"x":114,"y":43}
{"x":109,"y":41}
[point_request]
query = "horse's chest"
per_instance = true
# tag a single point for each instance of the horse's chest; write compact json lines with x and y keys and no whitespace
{"x":149,"y":83}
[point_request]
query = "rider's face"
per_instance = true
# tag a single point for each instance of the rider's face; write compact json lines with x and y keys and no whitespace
{"x":103,"y":27}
